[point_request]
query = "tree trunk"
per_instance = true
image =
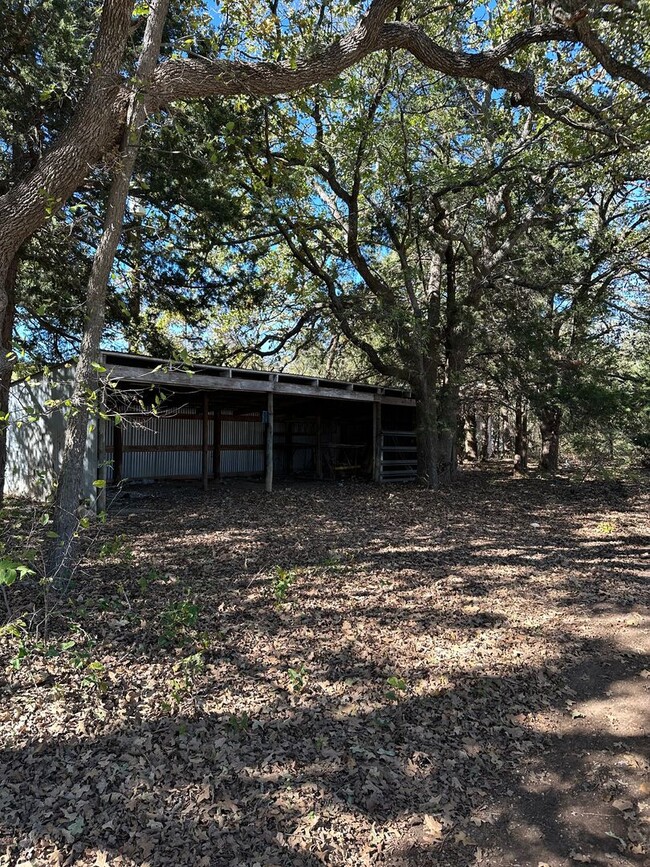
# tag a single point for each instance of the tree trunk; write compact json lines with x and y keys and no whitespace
{"x":6,"y":365}
{"x":487,"y":450}
{"x":70,"y":483}
{"x":448,"y":441}
{"x":521,"y":436}
{"x":471,"y":441}
{"x":426,"y":432}
{"x":456,"y":338}
{"x":550,"y":419}
{"x":506,"y":445}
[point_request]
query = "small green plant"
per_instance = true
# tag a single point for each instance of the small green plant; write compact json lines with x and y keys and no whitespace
{"x":182,"y":687}
{"x":606,"y":527}
{"x":145,"y":581}
{"x":177,"y":619}
{"x":95,"y":676}
{"x":12,"y":571}
{"x":178,"y":689}
{"x":297,"y":678}
{"x":284,"y":578}
{"x":239,"y":722}
{"x":76,"y":653}
{"x":116,"y":548}
{"x":13,"y":629}
{"x":397,"y":685}
{"x":191,"y":665}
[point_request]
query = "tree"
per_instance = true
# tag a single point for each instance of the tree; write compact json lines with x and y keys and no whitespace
{"x":300,"y":52}
{"x":70,"y":480}
{"x":566,"y":299}
{"x":404,"y":215}
{"x":100,"y":116}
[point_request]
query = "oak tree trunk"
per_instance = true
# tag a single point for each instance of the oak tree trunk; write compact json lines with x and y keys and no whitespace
{"x":471,"y":439}
{"x":448,"y":439}
{"x":487,"y":450}
{"x":426,"y":433}
{"x":521,"y":436}
{"x":505,"y":440}
{"x":456,"y":339}
{"x":6,"y":364}
{"x":550,"y":419}
{"x":69,"y":489}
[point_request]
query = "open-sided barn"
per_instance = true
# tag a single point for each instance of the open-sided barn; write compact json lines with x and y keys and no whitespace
{"x":171,"y":421}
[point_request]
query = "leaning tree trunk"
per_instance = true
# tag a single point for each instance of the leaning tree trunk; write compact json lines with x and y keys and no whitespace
{"x":521,"y":436}
{"x":27,"y":205}
{"x":6,"y":364}
{"x":550,"y":419}
{"x":70,"y":482}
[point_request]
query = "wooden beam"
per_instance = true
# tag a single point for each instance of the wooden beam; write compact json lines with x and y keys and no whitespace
{"x":204,"y":442}
{"x":269,"y":443}
{"x":219,"y":383}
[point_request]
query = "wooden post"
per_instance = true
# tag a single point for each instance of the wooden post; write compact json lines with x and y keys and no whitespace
{"x":216,"y":444}
{"x":376,"y":441}
{"x":269,"y":443}
{"x":118,"y":452}
{"x":204,"y":443}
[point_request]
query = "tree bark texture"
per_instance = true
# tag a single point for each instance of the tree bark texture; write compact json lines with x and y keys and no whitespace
{"x":521,"y":436}
{"x":6,"y":364}
{"x":456,"y":338}
{"x":487,"y":446}
{"x":550,"y":420}
{"x":426,"y":435}
{"x":70,"y":481}
{"x":471,"y":438}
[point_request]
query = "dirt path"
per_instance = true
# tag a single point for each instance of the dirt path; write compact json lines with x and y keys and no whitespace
{"x":343,"y":675}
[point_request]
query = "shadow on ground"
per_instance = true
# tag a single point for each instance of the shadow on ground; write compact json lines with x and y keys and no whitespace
{"x":469,"y":685}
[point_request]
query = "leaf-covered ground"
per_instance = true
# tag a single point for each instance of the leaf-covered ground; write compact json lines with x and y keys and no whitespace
{"x":341,"y":675}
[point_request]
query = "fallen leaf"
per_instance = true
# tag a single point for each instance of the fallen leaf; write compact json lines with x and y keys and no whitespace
{"x":433,"y":827}
{"x":205,"y":794}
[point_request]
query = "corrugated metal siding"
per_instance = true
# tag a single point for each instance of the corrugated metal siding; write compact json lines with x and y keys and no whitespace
{"x":34,"y":448}
{"x":171,"y":446}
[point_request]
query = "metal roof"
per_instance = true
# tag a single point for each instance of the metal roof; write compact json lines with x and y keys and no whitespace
{"x":125,"y":366}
